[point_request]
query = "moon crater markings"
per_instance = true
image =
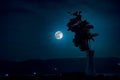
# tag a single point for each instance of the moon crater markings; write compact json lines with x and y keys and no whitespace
{"x":58,"y":35}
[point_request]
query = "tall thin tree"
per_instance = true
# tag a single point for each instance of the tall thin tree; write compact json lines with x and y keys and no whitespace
{"x":82,"y":37}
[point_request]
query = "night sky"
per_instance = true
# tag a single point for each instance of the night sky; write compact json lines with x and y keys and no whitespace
{"x":27,"y":28}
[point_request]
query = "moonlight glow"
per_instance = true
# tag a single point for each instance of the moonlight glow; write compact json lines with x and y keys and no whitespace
{"x":58,"y":35}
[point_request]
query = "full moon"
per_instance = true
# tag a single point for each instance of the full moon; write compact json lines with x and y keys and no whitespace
{"x":58,"y":35}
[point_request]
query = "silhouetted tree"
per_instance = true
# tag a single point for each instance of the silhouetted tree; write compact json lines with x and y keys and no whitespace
{"x":81,"y":28}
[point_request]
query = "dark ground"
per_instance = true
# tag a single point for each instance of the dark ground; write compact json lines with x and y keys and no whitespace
{"x":64,"y":76}
{"x":59,"y":69}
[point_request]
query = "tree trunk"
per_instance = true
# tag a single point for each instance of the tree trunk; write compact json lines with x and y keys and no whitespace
{"x":90,"y":70}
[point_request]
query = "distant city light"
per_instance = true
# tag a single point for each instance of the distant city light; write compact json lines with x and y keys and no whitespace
{"x":118,"y":64}
{"x":34,"y":73}
{"x":6,"y":75}
{"x":55,"y":69}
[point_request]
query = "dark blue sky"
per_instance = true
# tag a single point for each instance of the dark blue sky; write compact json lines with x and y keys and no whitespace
{"x":27,"y":28}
